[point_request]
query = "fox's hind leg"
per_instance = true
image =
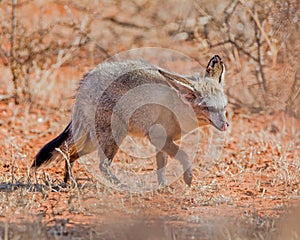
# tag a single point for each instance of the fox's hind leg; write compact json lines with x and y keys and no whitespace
{"x":106,"y":154}
{"x":68,"y":170}
{"x":69,"y":162}
{"x":109,"y":142}
{"x":86,"y":148}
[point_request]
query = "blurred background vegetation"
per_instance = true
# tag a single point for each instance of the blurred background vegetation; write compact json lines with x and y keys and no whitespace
{"x":43,"y":43}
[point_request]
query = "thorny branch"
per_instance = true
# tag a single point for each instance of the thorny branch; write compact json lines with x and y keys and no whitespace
{"x":236,"y":45}
{"x":251,"y":29}
{"x":259,"y":71}
{"x":228,"y":13}
{"x":37,"y":52}
{"x":125,"y":24}
{"x":13,"y":62}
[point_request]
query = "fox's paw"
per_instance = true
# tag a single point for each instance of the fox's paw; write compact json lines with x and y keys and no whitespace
{"x":188,"y":177}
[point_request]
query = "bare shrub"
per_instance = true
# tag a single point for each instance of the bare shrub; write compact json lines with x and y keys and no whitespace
{"x":260,"y":40}
{"x":36,"y":53}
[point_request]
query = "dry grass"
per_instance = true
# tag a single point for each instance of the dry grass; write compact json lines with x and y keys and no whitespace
{"x":239,"y":194}
{"x":246,"y":182}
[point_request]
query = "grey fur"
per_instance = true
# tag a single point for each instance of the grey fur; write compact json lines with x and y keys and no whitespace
{"x":144,"y":100}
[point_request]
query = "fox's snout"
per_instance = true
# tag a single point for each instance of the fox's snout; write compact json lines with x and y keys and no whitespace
{"x":218,"y":120}
{"x":225,"y":126}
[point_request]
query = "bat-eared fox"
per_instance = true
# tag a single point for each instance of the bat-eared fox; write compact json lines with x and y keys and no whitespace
{"x":144,"y":100}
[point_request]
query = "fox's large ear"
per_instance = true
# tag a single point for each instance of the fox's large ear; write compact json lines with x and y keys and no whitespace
{"x":182,"y":85}
{"x":216,"y":69}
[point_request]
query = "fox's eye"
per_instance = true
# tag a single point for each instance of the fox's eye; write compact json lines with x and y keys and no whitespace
{"x":212,"y":109}
{"x":200,"y":101}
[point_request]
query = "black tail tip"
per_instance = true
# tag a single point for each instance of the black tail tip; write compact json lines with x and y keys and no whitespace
{"x":43,"y":156}
{"x":46,"y":154}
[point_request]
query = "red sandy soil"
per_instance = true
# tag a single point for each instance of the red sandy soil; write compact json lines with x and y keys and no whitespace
{"x":247,"y":180}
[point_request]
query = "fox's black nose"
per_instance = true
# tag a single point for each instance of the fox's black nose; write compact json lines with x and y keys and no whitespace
{"x":225,"y":126}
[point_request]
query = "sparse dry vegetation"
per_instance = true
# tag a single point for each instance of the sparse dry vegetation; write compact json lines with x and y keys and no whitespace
{"x":248,"y":191}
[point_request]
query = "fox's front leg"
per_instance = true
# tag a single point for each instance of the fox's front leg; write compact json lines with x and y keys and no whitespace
{"x":161,"y":161}
{"x":105,"y":169}
{"x":174,"y":151}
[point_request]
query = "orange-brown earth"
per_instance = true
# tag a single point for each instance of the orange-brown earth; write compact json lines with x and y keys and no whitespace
{"x":256,"y":175}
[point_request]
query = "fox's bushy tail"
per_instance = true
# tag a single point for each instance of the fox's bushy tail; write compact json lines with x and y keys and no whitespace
{"x":65,"y":145}
{"x":48,"y":153}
